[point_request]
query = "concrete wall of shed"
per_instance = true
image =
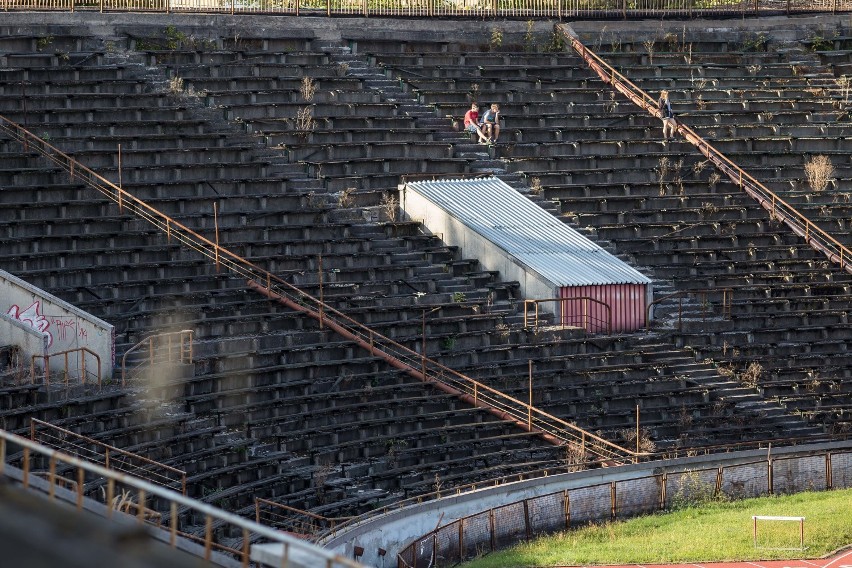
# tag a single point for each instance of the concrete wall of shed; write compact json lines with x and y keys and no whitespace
{"x":473,"y":245}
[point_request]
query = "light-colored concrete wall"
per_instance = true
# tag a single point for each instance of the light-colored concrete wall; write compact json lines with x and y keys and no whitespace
{"x":28,"y":340}
{"x":395,"y":530}
{"x":491,"y":257}
{"x":62,"y":325}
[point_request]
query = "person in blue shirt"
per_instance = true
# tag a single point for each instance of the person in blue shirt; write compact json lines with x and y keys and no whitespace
{"x":491,"y":122}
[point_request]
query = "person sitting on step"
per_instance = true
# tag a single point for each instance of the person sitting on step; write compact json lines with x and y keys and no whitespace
{"x":491,"y":122}
{"x":471,"y":123}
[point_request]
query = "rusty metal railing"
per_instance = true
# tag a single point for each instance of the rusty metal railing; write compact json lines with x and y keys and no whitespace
{"x":585,"y":320}
{"x":778,"y":208}
{"x":81,"y":354}
{"x":727,"y":301}
{"x":549,"y":427}
{"x":180,"y":353}
{"x":283,"y":517}
{"x":512,"y":523}
{"x":434,"y":8}
{"x":108,"y":456}
{"x":124,"y":488}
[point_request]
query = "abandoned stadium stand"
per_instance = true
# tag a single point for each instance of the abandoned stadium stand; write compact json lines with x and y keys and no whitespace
{"x":277,"y":408}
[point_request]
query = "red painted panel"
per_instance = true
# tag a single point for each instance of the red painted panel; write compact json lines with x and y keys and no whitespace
{"x":627,"y":309}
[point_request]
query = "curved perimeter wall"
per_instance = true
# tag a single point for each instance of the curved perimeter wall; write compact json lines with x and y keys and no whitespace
{"x":499,"y":516}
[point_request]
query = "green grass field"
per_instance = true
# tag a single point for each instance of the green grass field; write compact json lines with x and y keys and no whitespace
{"x":715,"y":531}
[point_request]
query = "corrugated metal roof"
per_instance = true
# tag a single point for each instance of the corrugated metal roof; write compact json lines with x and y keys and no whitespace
{"x":526,"y":231}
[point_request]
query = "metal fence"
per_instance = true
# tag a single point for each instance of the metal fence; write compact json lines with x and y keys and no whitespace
{"x":441,"y":8}
{"x":224,"y":533}
{"x":507,"y":525}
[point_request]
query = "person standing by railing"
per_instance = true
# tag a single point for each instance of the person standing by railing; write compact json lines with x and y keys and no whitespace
{"x":664,"y":105}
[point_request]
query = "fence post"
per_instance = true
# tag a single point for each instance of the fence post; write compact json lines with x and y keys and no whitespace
{"x":567,"y":508}
{"x":769,"y":476}
{"x":527,"y":519}
{"x":461,"y":540}
{"x":663,"y":481}
{"x":829,"y":482}
{"x":612,"y":499}
{"x":491,"y":529}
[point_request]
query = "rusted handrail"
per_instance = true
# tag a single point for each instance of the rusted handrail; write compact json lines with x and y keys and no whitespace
{"x":144,"y":492}
{"x":81,"y":350}
{"x":587,"y":319}
{"x":184,"y":350}
{"x":779,"y":209}
{"x":727,"y":300}
{"x":285,"y":520}
{"x":109,"y":456}
{"x":534,"y":420}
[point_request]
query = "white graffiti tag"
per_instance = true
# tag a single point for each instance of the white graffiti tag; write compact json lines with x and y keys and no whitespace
{"x":32,"y":318}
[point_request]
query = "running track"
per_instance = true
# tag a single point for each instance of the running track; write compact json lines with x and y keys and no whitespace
{"x":840,"y":560}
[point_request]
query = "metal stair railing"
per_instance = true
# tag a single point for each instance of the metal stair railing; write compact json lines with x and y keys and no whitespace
{"x":778,"y":209}
{"x":81,"y":353}
{"x":183,"y":350}
{"x":139,"y":493}
{"x":534,"y":420}
{"x":108,"y":456}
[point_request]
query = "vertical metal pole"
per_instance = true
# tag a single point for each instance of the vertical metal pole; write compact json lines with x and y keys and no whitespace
{"x":173,"y":522}
{"x":106,"y":458}
{"x":529,"y":407}
{"x":2,"y":455}
{"x":216,"y":225}
{"x":527,"y":519}
{"x":637,"y":428}
{"x":52,"y":492}
{"x":26,"y":468}
{"x":246,"y":547}
{"x":208,"y":537}
{"x":319,"y":271}
{"x":612,"y":500}
{"x":140,"y":510}
{"x":829,"y":482}
{"x":80,"y":479}
{"x":110,"y":496}
{"x":423,"y":350}
{"x":567,"y":508}
{"x":120,"y":177}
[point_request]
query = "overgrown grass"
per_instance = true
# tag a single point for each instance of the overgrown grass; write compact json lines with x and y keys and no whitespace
{"x":718,"y":531}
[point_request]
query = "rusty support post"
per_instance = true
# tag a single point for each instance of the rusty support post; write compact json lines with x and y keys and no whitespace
{"x":663,"y":481}
{"x":319,"y":275}
{"x":52,"y":476}
{"x":491,"y":529}
{"x":829,"y":482}
{"x":567,"y":498}
{"x":110,"y":496}
{"x":26,"y":468}
{"x":246,"y":557}
{"x":173,"y":523}
{"x":612,"y":501}
{"x":216,"y":226}
{"x":529,"y":406}
{"x":527,"y":519}
{"x":637,"y":430}
{"x":120,"y":180}
{"x":140,"y":509}
{"x":208,"y":537}
{"x":81,"y":473}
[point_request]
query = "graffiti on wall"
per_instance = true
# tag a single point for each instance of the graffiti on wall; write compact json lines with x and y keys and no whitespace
{"x":32,"y":318}
{"x":65,"y":331}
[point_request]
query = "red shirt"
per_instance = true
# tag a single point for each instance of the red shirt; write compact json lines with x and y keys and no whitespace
{"x":471,"y":117}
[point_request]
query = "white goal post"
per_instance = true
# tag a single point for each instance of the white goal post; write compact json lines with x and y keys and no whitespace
{"x":800,"y":520}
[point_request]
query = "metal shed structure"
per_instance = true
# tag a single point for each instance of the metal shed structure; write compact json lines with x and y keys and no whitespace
{"x":557,"y":267}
